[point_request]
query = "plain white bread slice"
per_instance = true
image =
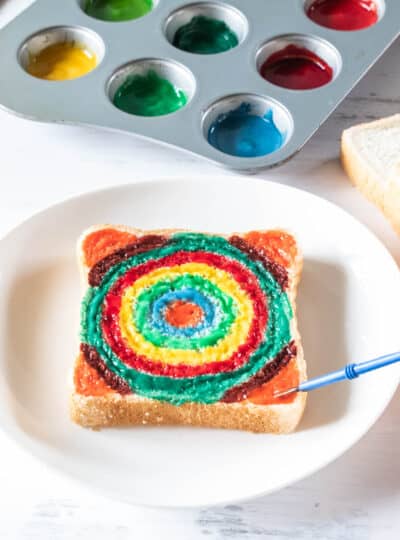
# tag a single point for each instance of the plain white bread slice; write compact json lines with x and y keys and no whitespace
{"x":370,"y":156}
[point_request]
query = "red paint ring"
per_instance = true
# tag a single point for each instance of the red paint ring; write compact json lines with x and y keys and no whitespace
{"x":112,"y":305}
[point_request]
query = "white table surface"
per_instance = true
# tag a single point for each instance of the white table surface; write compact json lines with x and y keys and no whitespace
{"x":355,"y":498}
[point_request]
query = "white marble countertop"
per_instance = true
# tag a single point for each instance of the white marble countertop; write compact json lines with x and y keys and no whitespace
{"x":355,"y":498}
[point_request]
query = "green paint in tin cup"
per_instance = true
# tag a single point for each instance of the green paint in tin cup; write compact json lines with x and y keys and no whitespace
{"x":149,"y":95}
{"x":118,"y":10}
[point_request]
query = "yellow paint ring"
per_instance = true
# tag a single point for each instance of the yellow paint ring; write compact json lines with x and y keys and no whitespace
{"x":222,"y":351}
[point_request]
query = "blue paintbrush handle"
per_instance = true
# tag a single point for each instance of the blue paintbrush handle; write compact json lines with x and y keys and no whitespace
{"x":351,"y":371}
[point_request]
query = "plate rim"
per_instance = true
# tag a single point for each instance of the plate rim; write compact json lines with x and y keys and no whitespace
{"x":32,"y":447}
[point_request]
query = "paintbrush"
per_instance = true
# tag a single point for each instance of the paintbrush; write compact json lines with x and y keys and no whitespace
{"x":349,"y":372}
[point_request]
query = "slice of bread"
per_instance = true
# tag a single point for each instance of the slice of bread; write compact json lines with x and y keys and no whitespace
{"x":188,"y":328}
{"x":371,"y":158}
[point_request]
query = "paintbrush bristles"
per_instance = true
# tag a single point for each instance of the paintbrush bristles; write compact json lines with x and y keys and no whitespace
{"x":285,"y":393}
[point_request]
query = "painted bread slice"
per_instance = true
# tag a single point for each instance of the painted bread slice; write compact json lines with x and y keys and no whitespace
{"x":190,"y":328}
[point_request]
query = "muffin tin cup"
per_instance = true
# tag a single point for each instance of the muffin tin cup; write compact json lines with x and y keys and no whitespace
{"x":82,"y":5}
{"x":209,"y":79}
{"x":321,"y":47}
{"x":380,"y":4}
{"x":79,"y":36}
{"x":258,"y":106}
{"x":231,"y":16}
{"x":178,"y":75}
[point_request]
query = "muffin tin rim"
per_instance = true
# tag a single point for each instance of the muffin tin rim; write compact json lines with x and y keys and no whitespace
{"x":205,"y":95}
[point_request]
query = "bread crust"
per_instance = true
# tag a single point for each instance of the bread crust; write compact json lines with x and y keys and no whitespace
{"x":115,"y":410}
{"x":384,"y":193}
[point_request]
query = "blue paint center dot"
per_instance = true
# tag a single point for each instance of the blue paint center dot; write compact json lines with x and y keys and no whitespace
{"x":243,"y":134}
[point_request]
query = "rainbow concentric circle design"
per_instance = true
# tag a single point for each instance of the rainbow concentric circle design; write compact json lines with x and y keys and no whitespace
{"x":186,"y":319}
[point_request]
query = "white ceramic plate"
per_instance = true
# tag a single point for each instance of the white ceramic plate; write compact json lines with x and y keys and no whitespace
{"x":348,"y":311}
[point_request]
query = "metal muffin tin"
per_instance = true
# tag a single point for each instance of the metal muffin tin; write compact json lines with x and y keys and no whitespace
{"x":213,"y":83}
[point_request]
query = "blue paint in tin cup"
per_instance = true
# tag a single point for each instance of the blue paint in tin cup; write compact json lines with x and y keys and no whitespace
{"x":242,"y":133}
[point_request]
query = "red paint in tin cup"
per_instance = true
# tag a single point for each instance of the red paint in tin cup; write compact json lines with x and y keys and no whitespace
{"x":343,"y":14}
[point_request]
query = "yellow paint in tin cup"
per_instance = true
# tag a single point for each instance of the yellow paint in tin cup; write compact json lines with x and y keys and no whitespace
{"x":62,"y":62}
